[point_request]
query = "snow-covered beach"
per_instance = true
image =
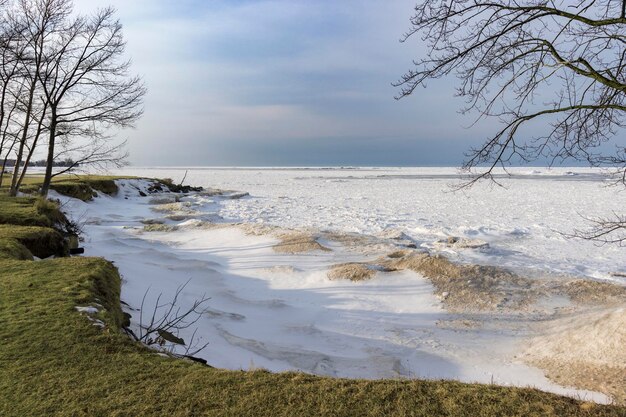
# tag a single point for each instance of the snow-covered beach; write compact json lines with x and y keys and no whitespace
{"x":277,"y":308}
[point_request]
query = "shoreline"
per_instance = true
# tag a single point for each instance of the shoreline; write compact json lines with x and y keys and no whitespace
{"x":521,"y":223}
{"x":62,"y":319}
{"x":181,"y":215}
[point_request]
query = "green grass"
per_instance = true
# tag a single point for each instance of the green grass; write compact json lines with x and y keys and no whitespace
{"x":81,"y":187}
{"x":23,"y":212}
{"x":25,"y":228}
{"x":54,"y":362}
{"x":42,"y":242}
{"x":13,"y":249}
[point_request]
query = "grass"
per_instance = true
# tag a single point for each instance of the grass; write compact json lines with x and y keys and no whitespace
{"x":42,"y":242}
{"x":81,"y":187}
{"x":54,"y":361}
{"x":22,"y":212}
{"x":25,"y":228}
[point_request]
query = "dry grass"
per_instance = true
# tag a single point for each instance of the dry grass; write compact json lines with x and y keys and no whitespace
{"x":159,"y":228}
{"x":467,"y":287}
{"x":351,"y":271}
{"x":594,"y":292}
{"x":586,"y":351}
{"x":298,"y":242}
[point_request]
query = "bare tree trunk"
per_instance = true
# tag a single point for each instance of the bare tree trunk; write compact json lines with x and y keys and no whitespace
{"x":4,"y":162}
{"x":2,"y":168}
{"x":2,"y":114}
{"x":50,"y":160}
{"x":6,"y":156}
{"x":33,"y":147}
{"x":10,"y":149}
{"x":20,"y":153}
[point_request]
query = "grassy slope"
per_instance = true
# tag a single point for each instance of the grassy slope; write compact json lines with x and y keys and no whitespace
{"x":71,"y":185}
{"x":21,"y":211}
{"x":53,"y":361}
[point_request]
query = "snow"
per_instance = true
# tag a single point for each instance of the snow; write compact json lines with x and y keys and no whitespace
{"x":523,"y":222}
{"x":281,"y":312}
{"x":87,"y":310}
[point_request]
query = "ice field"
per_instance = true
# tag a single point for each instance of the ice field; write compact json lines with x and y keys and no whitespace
{"x":279,"y":311}
{"x":524,"y":221}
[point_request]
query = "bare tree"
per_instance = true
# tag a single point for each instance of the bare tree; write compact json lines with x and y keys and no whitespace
{"x":98,"y":152}
{"x":8,"y":134}
{"x":609,"y":230}
{"x":33,"y":23}
{"x":506,"y":53}
{"x":87,"y":85}
{"x":9,"y":72}
{"x":63,"y":77}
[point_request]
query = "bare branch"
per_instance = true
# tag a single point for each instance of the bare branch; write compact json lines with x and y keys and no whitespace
{"x":166,"y":322}
{"x":505,"y":53}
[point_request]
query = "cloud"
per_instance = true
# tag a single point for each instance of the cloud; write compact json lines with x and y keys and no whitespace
{"x":278,"y":74}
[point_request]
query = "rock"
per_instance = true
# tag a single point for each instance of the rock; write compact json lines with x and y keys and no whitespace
{"x":398,"y":254}
{"x":155,"y":188}
{"x":298,"y":242}
{"x":126,"y":320}
{"x":141,"y":193}
{"x":212,"y":192}
{"x":462,"y":243}
{"x":178,"y":217}
{"x":179,"y":188}
{"x":199,"y":360}
{"x":159,"y":228}
{"x":170,"y":337}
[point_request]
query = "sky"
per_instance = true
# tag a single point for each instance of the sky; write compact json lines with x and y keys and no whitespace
{"x":284,"y":83}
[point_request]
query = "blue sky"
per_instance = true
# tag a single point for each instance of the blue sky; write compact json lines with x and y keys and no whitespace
{"x":284,"y":82}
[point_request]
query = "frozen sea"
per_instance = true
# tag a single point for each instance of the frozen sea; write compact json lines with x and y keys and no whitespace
{"x":280,"y":311}
{"x":525,"y":220}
